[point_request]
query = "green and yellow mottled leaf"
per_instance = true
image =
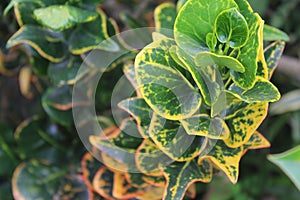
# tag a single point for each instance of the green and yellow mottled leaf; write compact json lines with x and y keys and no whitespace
{"x":262,"y":91}
{"x":224,"y":158}
{"x":203,"y":125}
{"x":162,"y":86}
{"x":273,"y":54}
{"x":154,"y":193}
{"x":158,"y":181}
{"x":61,"y":17}
{"x":38,"y":38}
{"x":140,"y":111}
{"x":257,"y":141}
{"x":164,"y":18}
{"x":204,"y":59}
{"x":243,"y":120}
{"x":89,"y":166}
{"x":180,"y":175}
{"x":195,"y":20}
{"x":121,"y":147}
{"x":149,"y":157}
{"x":173,"y":140}
{"x":104,"y":182}
{"x":73,"y":187}
{"x":156,"y":36}
{"x":271,"y":34}
{"x":122,"y":189}
{"x":249,"y":53}
{"x":136,"y":179}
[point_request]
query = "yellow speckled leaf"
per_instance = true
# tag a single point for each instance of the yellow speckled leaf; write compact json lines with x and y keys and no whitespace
{"x":245,"y":120}
{"x":257,"y":141}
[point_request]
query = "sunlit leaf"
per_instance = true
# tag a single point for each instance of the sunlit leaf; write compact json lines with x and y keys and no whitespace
{"x":271,"y":34}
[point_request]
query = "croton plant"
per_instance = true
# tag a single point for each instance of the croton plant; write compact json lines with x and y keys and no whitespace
{"x":202,"y":89}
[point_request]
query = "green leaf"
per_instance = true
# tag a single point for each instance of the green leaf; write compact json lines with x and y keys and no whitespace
{"x":140,"y":111}
{"x":191,"y":28}
{"x":57,"y":102}
{"x":62,"y":17}
{"x":92,"y":35}
{"x":243,"y":119}
{"x":289,"y":162}
{"x":211,"y":41}
{"x":175,"y":98}
{"x":164,"y":18}
{"x":289,"y":102}
{"x":180,"y":175}
{"x":64,"y":73}
{"x":271,"y":34}
{"x":204,"y":59}
{"x":262,"y":91}
{"x":173,"y":140}
{"x":180,"y":4}
{"x":36,"y":180}
{"x":7,"y":151}
{"x":40,"y":139}
{"x":13,"y":3}
{"x":207,"y":77}
{"x":129,"y":72}
{"x":24,"y":12}
{"x":225,"y":158}
{"x":5,"y":191}
{"x":273,"y":54}
{"x":38,"y":38}
{"x":250,"y":52}
{"x":231,"y":28}
{"x":203,"y":125}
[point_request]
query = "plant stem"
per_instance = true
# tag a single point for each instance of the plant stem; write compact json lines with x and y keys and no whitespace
{"x":51,"y":141}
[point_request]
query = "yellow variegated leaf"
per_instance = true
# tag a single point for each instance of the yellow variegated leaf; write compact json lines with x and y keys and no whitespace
{"x":162,"y":85}
{"x":245,"y":120}
{"x":171,"y":138}
{"x":203,"y":125}
{"x":158,"y":181}
{"x":148,"y":158}
{"x":257,"y":141}
{"x":122,"y":189}
{"x":180,"y":175}
{"x":273,"y":54}
{"x":225,"y":158}
{"x":164,"y":18}
{"x":140,"y":111}
{"x":103,"y":183}
{"x":262,"y":68}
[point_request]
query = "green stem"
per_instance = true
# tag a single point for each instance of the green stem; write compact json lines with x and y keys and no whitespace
{"x":51,"y":141}
{"x":8,"y":151}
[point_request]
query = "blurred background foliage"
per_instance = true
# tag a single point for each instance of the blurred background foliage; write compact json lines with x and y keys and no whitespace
{"x":259,"y":178}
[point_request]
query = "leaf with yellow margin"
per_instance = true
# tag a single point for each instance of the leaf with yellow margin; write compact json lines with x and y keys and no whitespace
{"x":180,"y":175}
{"x":140,"y":111}
{"x":257,"y":141}
{"x":171,"y":138}
{"x":161,"y":83}
{"x":273,"y":54}
{"x":225,"y":158}
{"x":104,"y":182}
{"x":203,"y":125}
{"x":164,"y":18}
